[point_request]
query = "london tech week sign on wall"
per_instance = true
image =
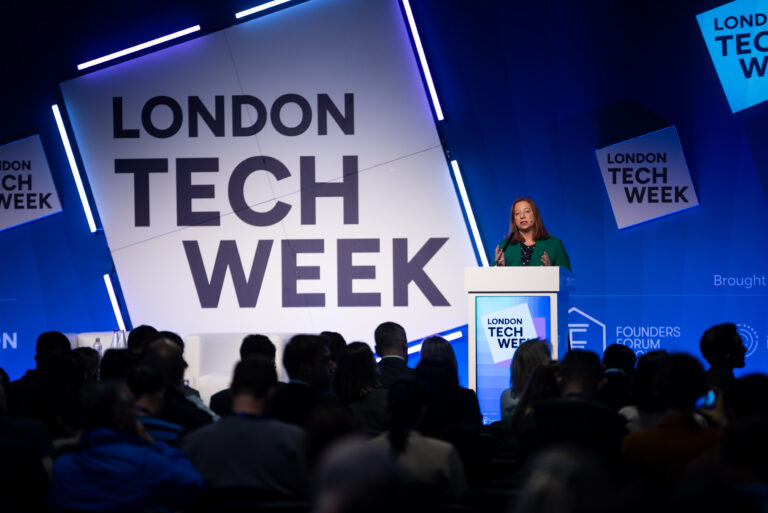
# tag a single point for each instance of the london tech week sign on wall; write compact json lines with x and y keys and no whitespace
{"x":647,"y":177}
{"x":283,"y":175}
{"x":27,"y":191}
{"x":736,"y":35}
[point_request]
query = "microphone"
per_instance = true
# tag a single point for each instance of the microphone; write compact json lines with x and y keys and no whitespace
{"x":506,"y":245}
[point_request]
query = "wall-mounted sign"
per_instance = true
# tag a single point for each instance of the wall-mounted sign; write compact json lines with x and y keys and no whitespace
{"x":282,"y":175}
{"x":27,"y":191}
{"x":736,"y":35}
{"x":647,"y":177}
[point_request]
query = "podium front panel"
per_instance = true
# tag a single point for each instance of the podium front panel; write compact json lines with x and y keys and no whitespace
{"x":501,"y":324}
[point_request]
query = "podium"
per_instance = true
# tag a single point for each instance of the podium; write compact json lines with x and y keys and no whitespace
{"x":507,"y":306}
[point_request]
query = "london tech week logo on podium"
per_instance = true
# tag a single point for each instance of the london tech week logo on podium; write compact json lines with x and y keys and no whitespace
{"x":647,"y":177}
{"x":506,"y":329}
{"x":736,"y":35}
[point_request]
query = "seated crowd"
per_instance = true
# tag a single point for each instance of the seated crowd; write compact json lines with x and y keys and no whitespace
{"x":345,"y":434}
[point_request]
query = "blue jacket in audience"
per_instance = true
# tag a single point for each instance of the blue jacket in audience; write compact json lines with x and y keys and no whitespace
{"x":114,"y":471}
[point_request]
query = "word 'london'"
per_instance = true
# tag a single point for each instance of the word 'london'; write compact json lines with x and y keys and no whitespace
{"x":743,"y":43}
{"x":655,"y":193}
{"x":209,"y":286}
{"x":242,"y":106}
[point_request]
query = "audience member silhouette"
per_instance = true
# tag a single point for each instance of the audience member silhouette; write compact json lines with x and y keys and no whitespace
{"x":139,"y":336}
{"x":148,"y":389}
{"x":576,"y":417}
{"x":116,"y":363}
{"x":165,"y":356}
{"x":89,"y":358}
{"x":424,"y":459}
{"x":722,"y":347}
{"x":27,"y":396}
{"x":451,"y":406}
{"x":663,"y":452}
{"x":646,"y":408}
{"x":24,"y":456}
{"x":542,"y":385}
{"x":618,"y":367}
{"x":392,"y":347}
{"x":357,"y":384}
{"x":307,"y":361}
{"x":252,"y":345}
{"x":335,"y":343}
{"x":118,"y":466}
{"x":357,"y":477}
{"x":527,"y":358}
{"x":248,"y":448}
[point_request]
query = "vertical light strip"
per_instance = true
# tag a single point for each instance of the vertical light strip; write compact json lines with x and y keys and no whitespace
{"x":115,"y":305}
{"x":259,"y":8}
{"x":138,"y":48}
{"x":73,"y":166}
{"x":470,"y":214}
{"x":423,"y":61}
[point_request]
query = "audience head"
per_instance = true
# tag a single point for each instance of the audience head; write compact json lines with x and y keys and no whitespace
{"x":107,"y":404}
{"x":579,"y":372}
{"x":169,"y":336}
{"x":619,"y":356}
{"x":542,"y":385}
{"x":335,"y":343}
{"x":355,"y":477}
{"x":437,"y":349}
{"x":722,"y":346}
{"x":116,"y":363}
{"x":307,"y":358}
{"x":165,"y":356}
{"x":51,"y":343}
{"x":391,"y":340}
{"x":531,"y":355}
{"x":257,"y":345}
{"x":254,"y":376}
{"x":642,"y":389}
{"x":356,"y":372}
{"x":145,"y":381}
{"x":89,"y":357}
{"x":564,"y":480}
{"x":679,"y":381}
{"x":139,"y":336}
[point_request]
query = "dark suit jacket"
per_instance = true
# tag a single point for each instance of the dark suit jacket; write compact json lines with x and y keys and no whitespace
{"x":221,"y":402}
{"x":392,"y":369}
{"x":178,"y":410}
{"x":293,"y":403}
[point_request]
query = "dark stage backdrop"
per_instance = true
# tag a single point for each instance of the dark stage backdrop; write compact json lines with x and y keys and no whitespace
{"x":530,"y":90}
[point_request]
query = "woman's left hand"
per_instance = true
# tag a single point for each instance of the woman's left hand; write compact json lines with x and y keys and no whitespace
{"x":545,"y":259}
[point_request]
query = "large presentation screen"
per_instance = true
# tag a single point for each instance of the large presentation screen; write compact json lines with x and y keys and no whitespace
{"x":282,"y":175}
{"x":502,"y":323}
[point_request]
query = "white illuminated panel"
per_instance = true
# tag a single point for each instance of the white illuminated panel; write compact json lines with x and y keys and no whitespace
{"x":138,"y":48}
{"x":73,"y":166}
{"x":470,"y":215}
{"x":113,"y":300}
{"x":259,"y":8}
{"x":423,"y":61}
